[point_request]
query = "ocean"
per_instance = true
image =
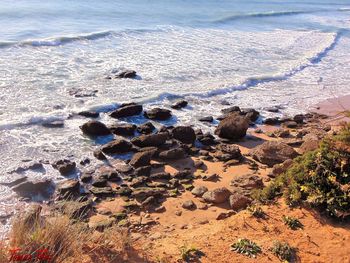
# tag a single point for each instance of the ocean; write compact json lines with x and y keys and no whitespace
{"x":290,"y":54}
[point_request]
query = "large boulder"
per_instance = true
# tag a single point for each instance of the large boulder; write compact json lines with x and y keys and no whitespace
{"x":173,"y":154}
{"x":184,"y":134}
{"x":95,"y":128}
{"x":158,"y":114}
{"x":151,"y":140}
{"x":233,"y":127}
{"x":273,"y":152}
{"x":217,"y":196}
{"x":141,"y":159}
{"x":117,"y":146}
{"x":127,"y":110}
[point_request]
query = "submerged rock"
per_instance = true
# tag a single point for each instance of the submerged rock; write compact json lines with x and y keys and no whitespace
{"x":64,"y":166}
{"x":123,"y":129}
{"x":179,"y":104}
{"x":158,"y":114}
{"x":127,"y":110}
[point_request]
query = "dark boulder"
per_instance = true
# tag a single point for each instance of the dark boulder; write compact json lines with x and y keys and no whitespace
{"x":126,"y":74}
{"x":64,"y":166}
{"x":232,"y":127}
{"x":184,"y":134}
{"x":99,"y":155}
{"x":123,"y":129}
{"x":158,"y":114}
{"x":251,"y":114}
{"x":179,"y":104}
{"x":146,"y":128}
{"x":217,"y":196}
{"x":127,"y":110}
{"x":272,"y":121}
{"x":117,"y":146}
{"x":151,"y":140}
{"x":231,"y":109}
{"x":141,"y":159}
{"x":206,"y":119}
{"x":239,"y":201}
{"x":173,"y":154}
{"x":95,"y":128}
{"x":89,"y":114}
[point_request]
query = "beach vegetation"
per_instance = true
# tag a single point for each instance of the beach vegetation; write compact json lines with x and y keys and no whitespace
{"x":246,"y":247}
{"x":283,"y":251}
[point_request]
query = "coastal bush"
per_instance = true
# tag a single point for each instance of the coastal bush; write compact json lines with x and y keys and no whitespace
{"x":246,"y":247}
{"x":283,"y":251}
{"x":189,"y":253}
{"x":292,"y":222}
{"x":320,"y":178}
{"x":256,"y":211}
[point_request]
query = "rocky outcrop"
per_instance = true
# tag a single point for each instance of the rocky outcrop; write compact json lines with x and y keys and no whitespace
{"x":127,"y":110}
{"x":158,"y":114}
{"x":273,"y":152}
{"x":232,"y":127}
{"x":184,"y":134}
{"x":95,"y":128}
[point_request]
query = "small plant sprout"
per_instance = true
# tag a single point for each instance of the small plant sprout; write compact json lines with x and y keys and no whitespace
{"x":246,"y":247}
{"x":292,"y":222}
{"x":256,"y":211}
{"x":283,"y":251}
{"x":189,"y":253}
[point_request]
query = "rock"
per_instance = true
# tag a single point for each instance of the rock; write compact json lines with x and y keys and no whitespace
{"x":272,"y":109}
{"x":251,"y":114}
{"x":248,"y":181}
{"x":184,"y":134}
{"x":206,"y":139}
{"x":123,"y":168}
{"x":311,"y":143}
{"x":146,"y":128}
{"x":198,"y":191}
{"x":141,"y":159}
{"x":102,"y":225}
{"x":123,"y":129}
{"x":151,"y":140}
{"x":179,"y":104}
{"x":278,"y":169}
{"x":217,"y":196}
{"x":173,"y":154}
{"x":68,"y":187}
{"x":231,"y":109}
{"x":89,"y":114}
{"x":206,"y":119}
{"x":127,"y":110}
{"x":101,"y":191}
{"x":290,"y":124}
{"x":125,"y":74}
{"x":86,"y":177}
{"x":198,"y":163}
{"x":158,"y":114}
{"x":99,"y":181}
{"x":282,"y":133}
{"x":64,"y":166}
{"x":232,"y":127}
{"x":162,"y":175}
{"x":273,"y":152}
{"x":99,"y":155}
{"x":29,"y":188}
{"x":53,"y":124}
{"x":272,"y":121}
{"x":229,"y":151}
{"x":299,"y":118}
{"x":95,"y":128}
{"x":144,"y":192}
{"x":143,"y":171}
{"x":32,"y":165}
{"x":76,"y":210}
{"x":211,"y":177}
{"x":238,"y":201}
{"x":224,"y":215}
{"x":189,"y":205}
{"x":117,"y":146}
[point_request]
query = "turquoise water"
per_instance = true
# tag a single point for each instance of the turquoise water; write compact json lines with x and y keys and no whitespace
{"x":290,"y":54}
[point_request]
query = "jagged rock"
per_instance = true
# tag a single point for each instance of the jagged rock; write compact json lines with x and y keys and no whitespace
{"x":141,"y":159}
{"x":238,"y":201}
{"x":158,"y":114}
{"x":68,"y":187}
{"x":89,"y":114}
{"x":146,"y":128}
{"x":173,"y":154}
{"x":272,"y":109}
{"x":151,"y":140}
{"x":248,"y":181}
{"x":102,"y":225}
{"x":179,"y":104}
{"x":123,"y":129}
{"x":273,"y":152}
{"x":127,"y":110}
{"x":95,"y":128}
{"x":232,"y":127}
{"x":217,"y":196}
{"x":198,"y":163}
{"x":184,"y":134}
{"x":64,"y":166}
{"x":123,"y":168}
{"x":199,"y":191}
{"x":117,"y":146}
{"x":125,"y":74}
{"x":76,"y":210}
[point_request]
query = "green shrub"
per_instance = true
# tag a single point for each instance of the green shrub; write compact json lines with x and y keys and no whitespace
{"x":292,"y":223}
{"x":246,"y":247}
{"x":256,"y":211}
{"x":189,"y":253}
{"x":320,"y":178}
{"x":283,"y":251}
